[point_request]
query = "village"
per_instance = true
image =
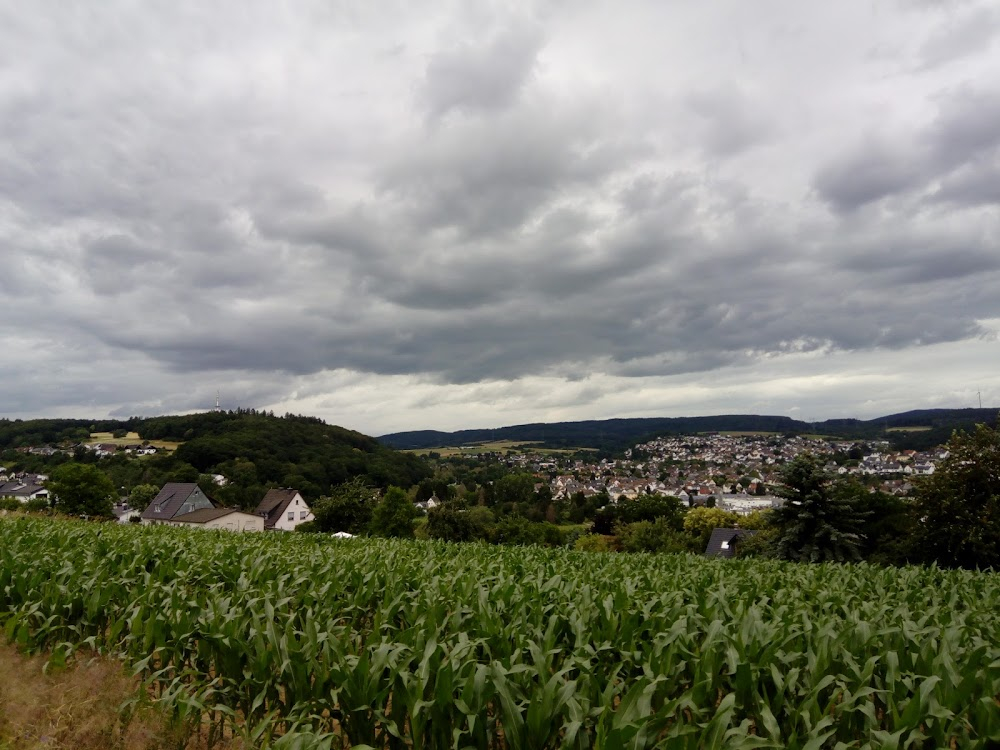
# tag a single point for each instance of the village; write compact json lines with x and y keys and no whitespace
{"x":736,"y":472}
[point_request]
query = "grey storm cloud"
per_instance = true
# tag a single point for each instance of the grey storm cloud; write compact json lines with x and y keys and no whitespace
{"x":469,"y":194}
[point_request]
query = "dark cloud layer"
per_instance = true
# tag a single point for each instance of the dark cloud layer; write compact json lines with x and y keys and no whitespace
{"x":243,"y":194}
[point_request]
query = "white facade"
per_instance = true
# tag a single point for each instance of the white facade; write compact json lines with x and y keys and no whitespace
{"x":235,"y":520}
{"x":297,"y":511}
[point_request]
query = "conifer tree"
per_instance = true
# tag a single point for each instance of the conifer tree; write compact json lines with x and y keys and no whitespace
{"x":821,"y":519}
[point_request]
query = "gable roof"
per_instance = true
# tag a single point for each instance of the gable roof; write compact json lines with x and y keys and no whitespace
{"x":272,"y":507}
{"x":725,"y":537}
{"x":170,"y":499}
{"x":204,"y":515}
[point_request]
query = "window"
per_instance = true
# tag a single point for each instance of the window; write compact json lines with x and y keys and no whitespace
{"x":725,"y":545}
{"x":291,"y":515}
{"x":156,"y":508}
{"x":303,"y":514}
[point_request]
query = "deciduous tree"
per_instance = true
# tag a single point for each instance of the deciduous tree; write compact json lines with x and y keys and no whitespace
{"x":82,"y":489}
{"x":958,"y":507}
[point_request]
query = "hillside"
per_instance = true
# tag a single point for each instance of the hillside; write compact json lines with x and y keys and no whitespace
{"x":253,"y":449}
{"x":616,"y":434}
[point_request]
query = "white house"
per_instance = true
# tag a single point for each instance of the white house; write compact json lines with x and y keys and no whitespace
{"x":283,"y":510}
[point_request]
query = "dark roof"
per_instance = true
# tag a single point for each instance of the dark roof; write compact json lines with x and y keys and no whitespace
{"x":273,"y":505}
{"x":204,"y":515}
{"x":727,"y":536}
{"x":170,"y":499}
{"x":18,"y":489}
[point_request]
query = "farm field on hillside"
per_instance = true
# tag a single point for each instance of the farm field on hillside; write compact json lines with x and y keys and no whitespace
{"x":495,"y":446}
{"x":387,"y":643}
{"x":131,"y":438}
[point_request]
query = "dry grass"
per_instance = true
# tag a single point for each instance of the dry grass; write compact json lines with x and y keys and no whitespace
{"x":78,"y":708}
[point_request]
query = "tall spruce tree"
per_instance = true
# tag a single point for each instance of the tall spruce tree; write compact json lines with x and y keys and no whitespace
{"x":821,"y":519}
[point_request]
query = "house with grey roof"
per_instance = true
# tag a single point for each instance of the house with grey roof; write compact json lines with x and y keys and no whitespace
{"x":723,"y":542}
{"x":23,"y":490}
{"x":175,"y":499}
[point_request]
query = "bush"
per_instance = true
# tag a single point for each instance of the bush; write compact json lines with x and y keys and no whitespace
{"x":454,"y":525}
{"x":36,"y":505}
{"x":10,"y":503}
{"x":654,"y":536}
{"x":594,"y":543}
{"x":644,"y":508}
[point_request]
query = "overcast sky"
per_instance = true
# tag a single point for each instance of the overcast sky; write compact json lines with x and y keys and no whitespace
{"x":442,"y":215}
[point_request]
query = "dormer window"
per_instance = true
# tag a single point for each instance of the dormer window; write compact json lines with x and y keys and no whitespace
{"x":156,"y":508}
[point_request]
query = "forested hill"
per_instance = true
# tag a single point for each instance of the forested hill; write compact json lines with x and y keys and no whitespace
{"x":295,"y":451}
{"x":923,"y":429}
{"x":253,"y":449}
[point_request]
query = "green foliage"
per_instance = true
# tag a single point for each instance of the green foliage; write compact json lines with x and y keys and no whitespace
{"x":394,"y":515}
{"x":448,"y":523}
{"x":82,"y":489}
{"x":890,"y":524}
{"x":36,"y":505}
{"x":10,"y":503}
{"x":660,"y":535}
{"x":643,"y":508}
{"x":142,"y":495}
{"x":594,"y":543}
{"x":349,"y":508}
{"x":514,"y":489}
{"x":821,"y":520}
{"x":959,"y":504}
{"x":278,"y":447}
{"x":699,"y":523}
{"x":296,"y":640}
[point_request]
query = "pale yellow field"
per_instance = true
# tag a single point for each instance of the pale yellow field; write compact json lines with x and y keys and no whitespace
{"x":495,"y":446}
{"x":131,"y":438}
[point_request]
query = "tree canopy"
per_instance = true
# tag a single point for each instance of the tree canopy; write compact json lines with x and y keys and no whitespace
{"x":820,"y":520}
{"x":958,"y":506}
{"x":82,"y":489}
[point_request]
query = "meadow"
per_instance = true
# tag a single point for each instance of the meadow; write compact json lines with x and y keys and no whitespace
{"x":297,"y":640}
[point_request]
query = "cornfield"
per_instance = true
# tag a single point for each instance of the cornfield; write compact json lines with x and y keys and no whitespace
{"x":298,"y":641}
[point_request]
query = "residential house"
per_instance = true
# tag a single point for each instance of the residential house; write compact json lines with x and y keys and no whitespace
{"x":283,"y":510}
{"x":723,"y":542}
{"x":175,"y":499}
{"x":124,"y":512}
{"x":23,"y":490}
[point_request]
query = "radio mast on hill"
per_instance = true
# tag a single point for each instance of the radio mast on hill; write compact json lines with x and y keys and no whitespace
{"x":217,"y":407}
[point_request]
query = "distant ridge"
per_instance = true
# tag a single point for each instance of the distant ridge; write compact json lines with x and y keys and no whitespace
{"x":614,"y":434}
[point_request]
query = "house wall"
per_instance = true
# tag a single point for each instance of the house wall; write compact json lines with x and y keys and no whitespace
{"x":236,"y":522}
{"x":297,"y":506}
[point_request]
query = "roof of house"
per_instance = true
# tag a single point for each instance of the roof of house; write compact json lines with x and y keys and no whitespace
{"x":204,"y":515}
{"x":272,"y":507}
{"x":19,"y":489}
{"x":720,"y":544}
{"x":170,"y":499}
